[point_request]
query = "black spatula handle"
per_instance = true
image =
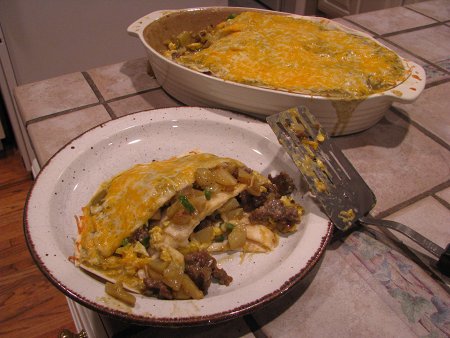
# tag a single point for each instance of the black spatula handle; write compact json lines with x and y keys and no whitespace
{"x":443,"y":263}
{"x":443,"y":255}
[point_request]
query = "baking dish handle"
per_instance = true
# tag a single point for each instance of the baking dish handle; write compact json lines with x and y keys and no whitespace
{"x":136,"y":28}
{"x":412,"y":87}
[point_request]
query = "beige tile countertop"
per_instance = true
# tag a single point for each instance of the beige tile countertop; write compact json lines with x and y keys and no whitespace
{"x":371,"y":282}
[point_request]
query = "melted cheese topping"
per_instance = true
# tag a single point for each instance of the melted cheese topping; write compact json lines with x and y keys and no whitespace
{"x":296,"y":55}
{"x":128,"y":200}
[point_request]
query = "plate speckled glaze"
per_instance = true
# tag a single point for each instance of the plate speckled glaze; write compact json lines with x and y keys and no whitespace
{"x":70,"y":178}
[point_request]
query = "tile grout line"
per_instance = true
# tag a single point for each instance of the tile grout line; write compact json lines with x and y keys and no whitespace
{"x":407,"y":30}
{"x":126,"y":96}
{"x":441,"y":200}
{"x":62,"y":112}
{"x":436,"y":24}
{"x":375,"y":35}
{"x":430,"y":192}
{"x":104,"y":103}
{"x":414,"y":29}
{"x":387,"y":35}
{"x":110,"y":111}
{"x":426,"y":15}
{"x":422,"y":129}
{"x":416,"y":56}
{"x":93,"y":86}
{"x":437,"y":83}
{"x":99,"y":95}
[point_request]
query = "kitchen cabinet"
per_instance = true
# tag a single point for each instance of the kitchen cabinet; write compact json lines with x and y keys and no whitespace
{"x":2,"y":136}
{"x":339,"y":8}
{"x":302,"y":7}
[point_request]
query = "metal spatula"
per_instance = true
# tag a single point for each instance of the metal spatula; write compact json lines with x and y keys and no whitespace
{"x":342,"y":192}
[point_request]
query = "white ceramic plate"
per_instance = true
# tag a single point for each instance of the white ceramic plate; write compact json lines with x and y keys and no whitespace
{"x":70,"y":178}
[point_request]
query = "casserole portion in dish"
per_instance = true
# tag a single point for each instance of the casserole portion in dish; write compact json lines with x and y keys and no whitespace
{"x":151,"y":228}
{"x":290,"y":54}
{"x":272,"y":85}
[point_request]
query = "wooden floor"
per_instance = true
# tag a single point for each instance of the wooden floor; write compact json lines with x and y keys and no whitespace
{"x":30,"y":306}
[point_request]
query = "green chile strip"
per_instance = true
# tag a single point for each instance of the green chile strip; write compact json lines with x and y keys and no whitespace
{"x":186,"y":204}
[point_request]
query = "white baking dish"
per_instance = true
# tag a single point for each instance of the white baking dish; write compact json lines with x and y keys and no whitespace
{"x":339,"y":117}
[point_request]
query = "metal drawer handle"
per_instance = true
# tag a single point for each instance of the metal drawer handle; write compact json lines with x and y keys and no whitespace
{"x":65,"y":333}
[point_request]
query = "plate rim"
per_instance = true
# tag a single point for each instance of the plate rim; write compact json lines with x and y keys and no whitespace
{"x":173,"y":321}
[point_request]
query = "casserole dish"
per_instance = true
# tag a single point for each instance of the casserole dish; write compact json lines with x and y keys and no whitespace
{"x":339,"y":116}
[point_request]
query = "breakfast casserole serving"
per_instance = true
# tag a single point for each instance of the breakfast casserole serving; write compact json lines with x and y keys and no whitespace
{"x":152,"y":228}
